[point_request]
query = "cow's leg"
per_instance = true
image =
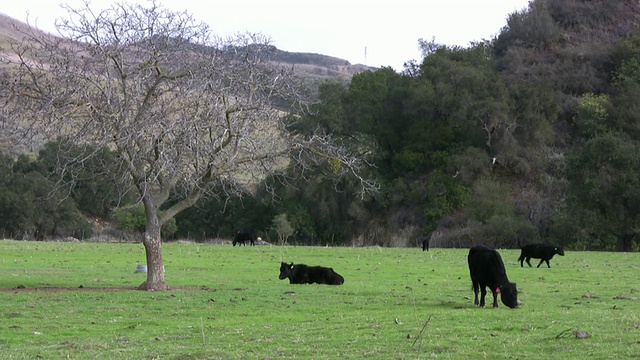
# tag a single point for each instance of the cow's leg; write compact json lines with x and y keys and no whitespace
{"x":483,"y":293}
{"x":476,"y":289}
{"x":495,"y":298}
{"x":547,"y":261}
{"x":528,"y":262}
{"x":540,"y":263}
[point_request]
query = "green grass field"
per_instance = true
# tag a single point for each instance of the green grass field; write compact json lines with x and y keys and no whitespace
{"x":227,"y":303}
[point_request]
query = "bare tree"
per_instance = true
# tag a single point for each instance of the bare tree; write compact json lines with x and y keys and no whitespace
{"x":282,"y":227}
{"x":185,"y":111}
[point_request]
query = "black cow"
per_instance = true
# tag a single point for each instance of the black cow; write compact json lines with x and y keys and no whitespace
{"x":487,"y":270}
{"x":303,"y":274}
{"x":243,"y":236}
{"x":425,"y":244}
{"x":539,"y":251}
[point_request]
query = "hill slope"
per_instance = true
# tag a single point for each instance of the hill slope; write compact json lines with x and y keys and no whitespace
{"x":313,"y":66}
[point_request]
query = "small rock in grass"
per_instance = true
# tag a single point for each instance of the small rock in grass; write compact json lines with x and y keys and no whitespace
{"x":582,"y":334}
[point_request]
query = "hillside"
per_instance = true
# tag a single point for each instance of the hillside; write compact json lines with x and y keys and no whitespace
{"x":315,"y":67}
{"x":312,"y":68}
{"x":531,"y":137}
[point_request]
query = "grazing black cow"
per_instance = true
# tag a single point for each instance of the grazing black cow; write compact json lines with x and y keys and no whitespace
{"x":425,"y":244}
{"x":303,"y":274}
{"x":539,"y":251}
{"x":243,"y":236}
{"x":487,"y":270}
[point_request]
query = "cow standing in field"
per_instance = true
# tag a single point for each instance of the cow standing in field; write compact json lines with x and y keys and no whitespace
{"x":425,"y":244}
{"x":303,"y":274}
{"x":243,"y":236}
{"x":487,"y":270}
{"x":539,"y":251}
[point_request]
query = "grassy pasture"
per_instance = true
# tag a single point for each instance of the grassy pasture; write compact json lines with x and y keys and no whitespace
{"x":229,"y":304}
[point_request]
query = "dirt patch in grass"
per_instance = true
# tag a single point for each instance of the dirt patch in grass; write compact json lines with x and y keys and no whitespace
{"x":57,"y":289}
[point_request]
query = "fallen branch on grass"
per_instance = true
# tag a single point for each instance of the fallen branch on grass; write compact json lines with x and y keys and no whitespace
{"x":561,"y":333}
{"x":578,"y":334}
{"x":421,"y":331}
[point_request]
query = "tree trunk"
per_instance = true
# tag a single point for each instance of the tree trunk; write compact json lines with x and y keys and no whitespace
{"x":153,"y":248}
{"x":155,"y":269}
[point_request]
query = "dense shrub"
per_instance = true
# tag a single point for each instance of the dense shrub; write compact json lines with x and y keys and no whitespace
{"x":132,"y":219}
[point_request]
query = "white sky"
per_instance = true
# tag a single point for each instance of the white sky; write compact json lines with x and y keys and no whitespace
{"x":387,"y":32}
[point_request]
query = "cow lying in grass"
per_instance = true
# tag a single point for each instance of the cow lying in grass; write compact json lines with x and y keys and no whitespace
{"x":487,"y":270}
{"x":303,"y":274}
{"x":539,"y":251}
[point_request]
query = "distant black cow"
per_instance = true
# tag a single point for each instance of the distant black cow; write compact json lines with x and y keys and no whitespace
{"x":243,"y":236}
{"x":487,"y":270}
{"x":303,"y":274}
{"x":425,"y":244}
{"x":539,"y":251}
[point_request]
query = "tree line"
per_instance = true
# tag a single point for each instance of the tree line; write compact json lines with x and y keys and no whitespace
{"x":531,"y":136}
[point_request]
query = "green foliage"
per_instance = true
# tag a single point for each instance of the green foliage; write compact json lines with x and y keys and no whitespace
{"x":469,"y":166}
{"x":319,"y":208}
{"x":445,"y":195}
{"x":32,"y":208}
{"x":329,"y":113}
{"x":91,"y":183}
{"x":224,"y":217}
{"x":560,"y":81}
{"x":532,"y":28}
{"x":628,"y":72}
{"x":605,"y":175}
{"x":491,"y":199}
{"x":460,"y":100}
{"x":538,"y":90}
{"x":507,"y":231}
{"x":16,"y":214}
{"x":577,"y":226}
{"x":538,"y":107}
{"x":334,"y":165}
{"x":282,"y":228}
{"x":374,"y":107}
{"x":133,"y":219}
{"x":130,"y":219}
{"x":591,"y":116}
{"x":625,"y":57}
{"x":301,"y":223}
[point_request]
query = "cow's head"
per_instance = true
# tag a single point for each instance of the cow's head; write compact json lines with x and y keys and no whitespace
{"x":559,"y":250}
{"x":285,"y":270}
{"x":509,"y":295}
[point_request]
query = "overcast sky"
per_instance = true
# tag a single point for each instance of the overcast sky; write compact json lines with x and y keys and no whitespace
{"x":375,"y":33}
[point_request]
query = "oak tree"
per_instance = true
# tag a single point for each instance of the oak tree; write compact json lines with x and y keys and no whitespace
{"x":186,"y":112}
